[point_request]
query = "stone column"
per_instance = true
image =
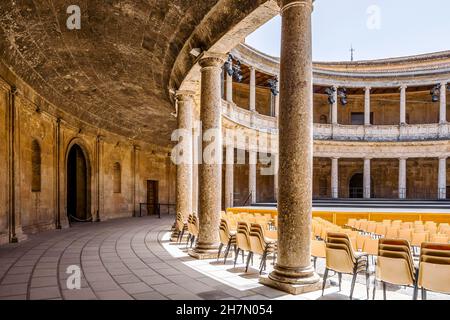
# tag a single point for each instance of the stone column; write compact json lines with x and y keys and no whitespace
{"x":229,"y":176}
{"x":99,"y":177}
{"x":442,"y":178}
{"x":366,"y":179}
{"x":443,"y":104}
{"x":293,"y":271}
{"x":367,"y":106}
{"x":229,"y":86}
{"x":335,"y":178}
{"x":196,"y":159}
{"x":210,"y":170}
{"x":184,"y":157}
{"x":253,"y":155}
{"x":275,"y":178}
{"x":402,"y":178}
{"x":136,"y":174}
{"x":403,"y":104}
{"x":334,"y":107}
{"x":252,"y":99}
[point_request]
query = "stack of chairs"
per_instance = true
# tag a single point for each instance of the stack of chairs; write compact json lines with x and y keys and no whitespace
{"x":242,"y":240}
{"x":227,"y":239}
{"x":192,"y":228}
{"x":395,"y":265}
{"x":180,"y":226}
{"x":259,"y":245}
{"x":434,"y":268}
{"x":341,"y":258}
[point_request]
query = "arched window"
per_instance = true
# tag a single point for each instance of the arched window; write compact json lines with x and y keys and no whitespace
{"x":323,"y":119}
{"x":117,"y":178}
{"x":35,"y":166}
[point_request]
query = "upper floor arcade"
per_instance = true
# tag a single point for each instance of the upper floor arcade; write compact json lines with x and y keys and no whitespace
{"x":389,"y":100}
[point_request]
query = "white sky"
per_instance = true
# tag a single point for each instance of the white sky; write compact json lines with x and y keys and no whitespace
{"x":376,"y":29}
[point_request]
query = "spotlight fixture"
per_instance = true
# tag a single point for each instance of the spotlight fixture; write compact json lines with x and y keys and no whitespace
{"x":435,"y":92}
{"x":233,"y":70}
{"x":273,"y":86}
{"x":342,"y":94}
{"x":330,"y":92}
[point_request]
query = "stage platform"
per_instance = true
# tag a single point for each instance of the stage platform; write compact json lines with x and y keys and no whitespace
{"x":339,"y":211}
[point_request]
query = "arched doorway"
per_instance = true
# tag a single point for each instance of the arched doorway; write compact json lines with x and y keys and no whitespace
{"x":77,"y":185}
{"x":356,"y":185}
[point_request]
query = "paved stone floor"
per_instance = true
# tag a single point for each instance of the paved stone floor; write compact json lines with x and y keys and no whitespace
{"x":133,"y":259}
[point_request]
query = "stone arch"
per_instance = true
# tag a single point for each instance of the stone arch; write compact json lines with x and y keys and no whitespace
{"x":78,"y":184}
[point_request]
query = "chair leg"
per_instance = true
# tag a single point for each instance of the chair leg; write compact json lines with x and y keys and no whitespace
{"x":325,"y":275}
{"x":367,"y":279}
{"x":181,"y":236}
{"x":220,"y":250}
{"x":315,"y":262}
{"x":384,"y":290}
{"x":250,"y":254}
{"x":227,"y":251}
{"x":243,"y":256}
{"x":424,"y":294}
{"x":263,"y":262}
{"x":374,"y":287}
{"x":188,"y":239}
{"x":236,"y":257}
{"x":340,"y":281}
{"x":353,"y":284}
{"x":416,"y":291}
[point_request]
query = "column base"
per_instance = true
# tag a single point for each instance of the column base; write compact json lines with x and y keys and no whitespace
{"x":292,"y":288}
{"x":205,"y":251}
{"x":293,"y":280}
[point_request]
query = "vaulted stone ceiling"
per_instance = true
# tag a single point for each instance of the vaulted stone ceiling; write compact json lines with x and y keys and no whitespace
{"x":114,"y":73}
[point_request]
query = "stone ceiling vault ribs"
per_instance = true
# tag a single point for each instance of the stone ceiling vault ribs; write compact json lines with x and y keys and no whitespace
{"x":114,"y":73}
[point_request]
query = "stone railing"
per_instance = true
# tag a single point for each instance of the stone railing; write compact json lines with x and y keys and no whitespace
{"x":375,"y":133}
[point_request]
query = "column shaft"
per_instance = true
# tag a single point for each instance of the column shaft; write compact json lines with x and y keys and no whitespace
{"x":335,"y":178}
{"x":252,"y":99}
{"x":334,"y":107}
{"x":184,"y":163}
{"x":229,"y":177}
{"x":293,"y":271}
{"x":443,"y":104}
{"x":402,"y":104}
{"x":210,"y":170}
{"x":253,"y":155}
{"x":442,"y":178}
{"x":366,"y":182}
{"x":229,"y":87}
{"x":367,"y":106}
{"x":402,"y":179}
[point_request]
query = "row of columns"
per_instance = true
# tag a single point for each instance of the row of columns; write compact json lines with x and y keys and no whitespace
{"x":442,"y":178}
{"x":367,"y":91}
{"x":293,"y":271}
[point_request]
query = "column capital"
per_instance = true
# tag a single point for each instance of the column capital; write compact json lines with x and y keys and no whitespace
{"x":183,"y":95}
{"x":403,"y":87}
{"x":443,"y":83}
{"x":212,"y":60}
{"x":287,"y":4}
{"x":403,"y":158}
{"x":443,"y":157}
{"x":335,"y":158}
{"x":367,"y":88}
{"x":368,"y":158}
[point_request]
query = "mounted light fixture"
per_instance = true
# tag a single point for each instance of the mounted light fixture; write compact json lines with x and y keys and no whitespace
{"x":233,"y":70}
{"x":273,"y":85}
{"x":342,"y":94}
{"x":435,"y":92}
{"x":330,"y":93}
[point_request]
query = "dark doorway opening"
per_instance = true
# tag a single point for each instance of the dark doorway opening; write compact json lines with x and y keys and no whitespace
{"x":355,"y":187}
{"x":152,"y":197}
{"x":77,"y":186}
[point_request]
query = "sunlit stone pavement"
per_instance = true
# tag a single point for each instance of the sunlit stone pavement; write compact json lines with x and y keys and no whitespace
{"x":132,"y":258}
